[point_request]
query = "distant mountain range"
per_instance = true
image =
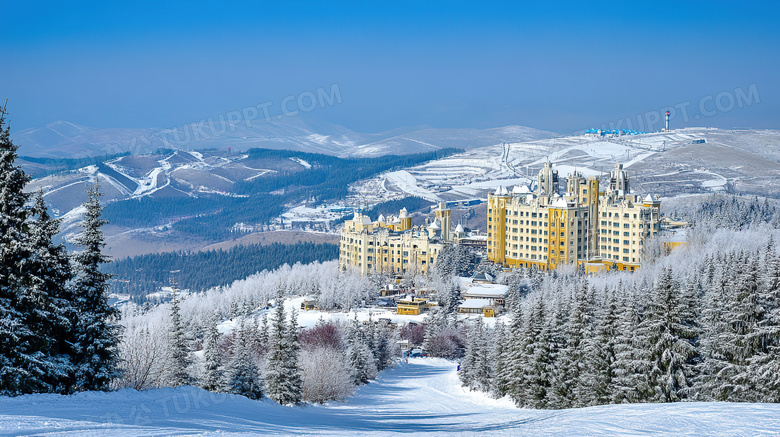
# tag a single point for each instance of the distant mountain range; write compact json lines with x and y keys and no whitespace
{"x":62,"y":139}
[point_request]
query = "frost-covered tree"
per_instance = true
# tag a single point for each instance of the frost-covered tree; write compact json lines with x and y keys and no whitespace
{"x":359,"y":355}
{"x":499,"y":360}
{"x":535,"y":363}
{"x":282,"y":375}
{"x":670,"y":337}
{"x":514,"y":373}
{"x":144,"y":351}
{"x":243,"y":376}
{"x":600,"y":350}
{"x":180,"y":351}
{"x":476,"y":369}
{"x":571,"y":359}
{"x":97,"y":331}
{"x":213,"y":378}
{"x":46,"y":305}
{"x":384,"y":350}
{"x":293,"y":350}
{"x":764,"y":367}
{"x":17,"y":356}
{"x":325,"y":377}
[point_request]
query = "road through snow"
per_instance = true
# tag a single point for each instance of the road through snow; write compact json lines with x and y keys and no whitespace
{"x":423,"y":397}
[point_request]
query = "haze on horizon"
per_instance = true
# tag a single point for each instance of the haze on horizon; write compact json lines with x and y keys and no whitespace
{"x":560,"y":66}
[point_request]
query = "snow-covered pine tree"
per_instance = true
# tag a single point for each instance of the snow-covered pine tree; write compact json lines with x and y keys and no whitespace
{"x":514,"y":371}
{"x":292,"y":352}
{"x":632,"y":350}
{"x":556,"y":325}
{"x":97,"y":330}
{"x":715,"y":338}
{"x":743,"y":314}
{"x":180,"y":351}
{"x":571,"y":356}
{"x":359,"y":355}
{"x":213,"y":377}
{"x":15,"y":355}
{"x":670,"y":339}
{"x":243,"y":376}
{"x":540,"y":372}
{"x":282,"y":372}
{"x":765,"y":366}
{"x":261,"y":336}
{"x":275,"y":381}
{"x":382,"y":354}
{"x":46,"y":304}
{"x":600,"y":351}
{"x":476,"y":370}
{"x":499,"y":360}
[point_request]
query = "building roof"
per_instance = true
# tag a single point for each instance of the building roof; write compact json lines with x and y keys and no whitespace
{"x":482,"y":276}
{"x":459,"y":228}
{"x":476,"y":303}
{"x":435,"y":226}
{"x":559,"y":203}
{"x":494,"y":291}
{"x":521,"y":189}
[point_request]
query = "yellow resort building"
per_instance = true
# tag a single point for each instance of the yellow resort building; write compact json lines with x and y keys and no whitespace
{"x":580,"y":227}
{"x":392,"y":244}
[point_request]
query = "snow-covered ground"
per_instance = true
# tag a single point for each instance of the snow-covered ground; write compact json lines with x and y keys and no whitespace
{"x":649,"y":157}
{"x":423,"y":397}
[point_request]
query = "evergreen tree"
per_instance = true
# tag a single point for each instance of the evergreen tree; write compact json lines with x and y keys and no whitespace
{"x":476,"y":371}
{"x":382,"y":353}
{"x":97,"y":330}
{"x":292,"y":351}
{"x":536,"y":362}
{"x":359,"y":355}
{"x":16,"y":354}
{"x":571,"y":357}
{"x":213,"y":380}
{"x":282,"y":372}
{"x":715,"y":340}
{"x":244,"y":378}
{"x":765,"y":365}
{"x":261,"y":338}
{"x":670,"y":338}
{"x":514,"y":373}
{"x":499,"y":359}
{"x":46,"y":304}
{"x":180,"y":351}
{"x":556,"y":325}
{"x":600,"y":353}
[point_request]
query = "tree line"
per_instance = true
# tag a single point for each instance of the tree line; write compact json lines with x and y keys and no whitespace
{"x":710,"y":333}
{"x":265,"y":355}
{"x":202,"y":270}
{"x":57,"y":332}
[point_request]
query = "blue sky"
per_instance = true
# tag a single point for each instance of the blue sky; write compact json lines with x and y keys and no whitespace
{"x":560,"y":66}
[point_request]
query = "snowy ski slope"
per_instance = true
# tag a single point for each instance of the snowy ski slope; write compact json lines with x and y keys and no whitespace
{"x":423,"y":397}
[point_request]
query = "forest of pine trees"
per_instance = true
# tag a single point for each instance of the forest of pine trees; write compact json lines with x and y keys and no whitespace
{"x":57,"y":332}
{"x":706,"y":333}
{"x":263,"y":356}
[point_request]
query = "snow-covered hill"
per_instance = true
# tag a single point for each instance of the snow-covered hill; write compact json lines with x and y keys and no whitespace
{"x":422,"y":397}
{"x":666,"y":163}
{"x":62,"y":139}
